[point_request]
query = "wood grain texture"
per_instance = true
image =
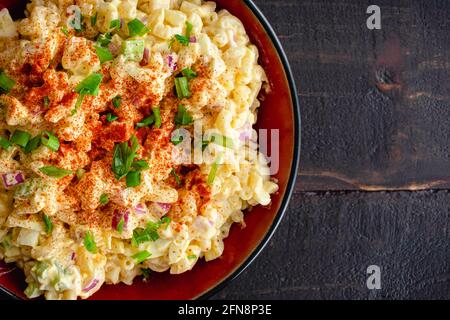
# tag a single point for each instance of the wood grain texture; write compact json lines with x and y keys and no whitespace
{"x":358,"y":132}
{"x":324,"y":246}
{"x":376,"y":117}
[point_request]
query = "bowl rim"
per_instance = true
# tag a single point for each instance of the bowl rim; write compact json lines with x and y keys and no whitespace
{"x":295,"y":161}
{"x":5,"y":293}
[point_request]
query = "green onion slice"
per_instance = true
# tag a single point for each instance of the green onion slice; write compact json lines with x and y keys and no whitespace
{"x":5,"y":144}
{"x":133,"y":179}
{"x":213,"y":172}
{"x":183,"y":118}
{"x":110,"y":117}
{"x":146,"y":122}
{"x":222,"y":141}
{"x":48,"y":224}
{"x":140,"y":165}
{"x":94,"y":19}
{"x":6,"y":83}
{"x":104,"y":39}
{"x":189,"y":73}
{"x":158,"y":120}
{"x":33,"y":144}
{"x":115,"y":24}
{"x":104,"y":199}
{"x":49,"y":140}
{"x":90,"y":85}
{"x":104,"y":54}
{"x":176,"y":176}
{"x":117,"y":101}
{"x":55,"y":172}
{"x":141,"y":256}
{"x":20,"y":138}
{"x":120,"y":225}
{"x":137,"y":28}
{"x":89,"y":242}
{"x":182,"y":88}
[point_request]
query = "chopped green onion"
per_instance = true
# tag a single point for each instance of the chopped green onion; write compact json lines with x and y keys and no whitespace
{"x":192,"y":257}
{"x":186,"y":39}
{"x":55,"y":172}
{"x":104,"y":39}
{"x":89,"y":242}
{"x":183,"y":118}
{"x":90,"y":85}
{"x":6,"y":83}
{"x":140,"y":165}
{"x":115,"y":24}
{"x":120,"y":225}
{"x":117,"y":101}
{"x":20,"y":138}
{"x":104,"y":54}
{"x":133,"y":50}
{"x":49,"y":140}
{"x":5,"y":144}
{"x":48,"y":224}
{"x":33,"y":144}
{"x":146,"y":273}
{"x":189,"y":73}
{"x":133,"y":179}
{"x":141,"y":256}
{"x":46,"y":101}
{"x":158,"y":120}
{"x":104,"y":199}
{"x":94,"y":19}
{"x":205,"y":144}
{"x":222,"y":141}
{"x":177,"y":178}
{"x":150,"y":233}
{"x":110,"y":117}
{"x":182,"y":88}
{"x":213,"y":172}
{"x":78,"y":104}
{"x":189,"y":28}
{"x":80,"y":173}
{"x":146,"y":122}
{"x":137,"y":28}
{"x":177,"y":138}
{"x":123,"y":157}
{"x":65,"y":31}
{"x":166,"y":220}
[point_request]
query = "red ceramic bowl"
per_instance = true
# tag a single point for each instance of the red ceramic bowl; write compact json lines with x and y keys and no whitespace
{"x":280,"y":110}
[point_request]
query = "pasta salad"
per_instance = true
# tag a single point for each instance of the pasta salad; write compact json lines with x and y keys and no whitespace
{"x":126,"y":139}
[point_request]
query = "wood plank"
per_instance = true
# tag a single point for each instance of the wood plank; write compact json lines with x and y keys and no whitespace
{"x":327,"y":241}
{"x":360,"y":132}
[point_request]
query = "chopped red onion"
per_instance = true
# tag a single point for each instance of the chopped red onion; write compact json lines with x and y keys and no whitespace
{"x":12,"y":179}
{"x":165,"y":207}
{"x":121,"y":23}
{"x":118,"y":215}
{"x":114,"y":48}
{"x":144,"y":20}
{"x":146,"y":57}
{"x":91,"y":285}
{"x":141,"y":209}
{"x":171,"y":63}
{"x":193,"y":39}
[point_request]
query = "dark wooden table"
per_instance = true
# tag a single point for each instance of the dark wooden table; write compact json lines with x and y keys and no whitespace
{"x":375,"y":171}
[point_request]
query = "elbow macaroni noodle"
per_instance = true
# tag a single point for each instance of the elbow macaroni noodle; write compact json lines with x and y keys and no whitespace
{"x":57,"y":262}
